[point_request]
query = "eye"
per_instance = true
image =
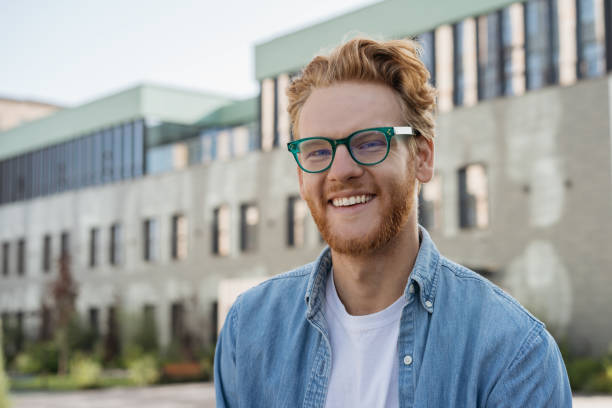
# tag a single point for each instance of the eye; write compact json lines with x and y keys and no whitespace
{"x":318,"y":154}
{"x":371,"y":144}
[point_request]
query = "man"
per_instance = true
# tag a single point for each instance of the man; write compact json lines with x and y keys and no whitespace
{"x":380,"y":319}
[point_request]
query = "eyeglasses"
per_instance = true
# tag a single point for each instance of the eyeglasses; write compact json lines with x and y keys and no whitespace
{"x":367,"y":147}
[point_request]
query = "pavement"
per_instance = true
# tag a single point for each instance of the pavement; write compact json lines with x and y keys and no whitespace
{"x":201,"y":395}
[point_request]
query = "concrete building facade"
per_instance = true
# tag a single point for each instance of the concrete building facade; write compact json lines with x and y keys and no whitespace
{"x":522,"y":192}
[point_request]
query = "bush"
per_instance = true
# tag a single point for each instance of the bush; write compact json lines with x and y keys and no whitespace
{"x":587,"y":374}
{"x":85,"y":371}
{"x":144,"y":370}
{"x":38,"y":358}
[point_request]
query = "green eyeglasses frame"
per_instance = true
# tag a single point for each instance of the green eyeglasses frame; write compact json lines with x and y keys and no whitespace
{"x":388,"y":131}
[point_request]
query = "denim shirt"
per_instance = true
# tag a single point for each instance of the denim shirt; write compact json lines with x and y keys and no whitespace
{"x":463,"y":342}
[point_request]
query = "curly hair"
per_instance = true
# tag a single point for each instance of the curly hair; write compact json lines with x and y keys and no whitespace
{"x":395,"y":63}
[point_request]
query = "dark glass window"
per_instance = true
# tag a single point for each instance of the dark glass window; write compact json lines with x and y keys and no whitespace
{"x":179,"y":237}
{"x":2,"y":183}
{"x":75,"y":169}
{"x":94,"y":237}
{"x":117,"y":147}
{"x":177,"y":328}
{"x":150,"y":232}
{"x":46,"y":264}
{"x":458,"y":74}
{"x":590,"y":50}
{"x":115,"y":244}
{"x":490,"y":67}
{"x":21,"y":257}
{"x":94,"y":321}
{"x":541,"y":43}
{"x":107,"y":156}
{"x":36,"y":173}
{"x":65,"y":243}
{"x":507,"y":48}
{"x":428,"y":43}
{"x":473,"y":197}
{"x":128,"y":155}
{"x":45,"y":325}
{"x":19,"y":179}
{"x":5,"y":258}
{"x":221,"y":230}
{"x":296,"y":218}
{"x":62,"y":169}
{"x":249,"y":223}
{"x":139,"y":147}
{"x":27,"y":175}
{"x":98,"y":157}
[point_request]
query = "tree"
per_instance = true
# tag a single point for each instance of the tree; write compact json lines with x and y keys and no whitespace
{"x":64,"y":291}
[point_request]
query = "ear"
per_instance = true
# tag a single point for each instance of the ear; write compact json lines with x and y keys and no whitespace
{"x":424,"y":160}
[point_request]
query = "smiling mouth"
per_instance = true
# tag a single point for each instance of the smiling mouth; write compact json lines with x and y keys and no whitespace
{"x":351,"y":200}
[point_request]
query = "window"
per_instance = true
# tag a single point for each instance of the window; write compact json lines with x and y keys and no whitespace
{"x":541,"y":43}
{"x":589,"y":39}
{"x":107,"y":156}
{"x":151,"y":233}
{"x":45,"y":324}
{"x":5,"y":258}
{"x":117,"y":160}
{"x":128,"y":141}
{"x":94,"y":238}
{"x":296,"y":221}
{"x":21,"y":255}
{"x":94,"y":321}
{"x":428,"y":43}
{"x":430,"y":203}
{"x":221,"y":230}
{"x":458,"y":73}
{"x":139,"y":147}
{"x":177,"y":329}
{"x":46,"y":264}
{"x":179,"y":237}
{"x":115,"y":244}
{"x":65,"y":243}
{"x":473,"y":197}
{"x":98,"y":157}
{"x":249,"y":221}
{"x":490,"y":67}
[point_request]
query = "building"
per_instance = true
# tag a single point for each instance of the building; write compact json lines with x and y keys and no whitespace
{"x":15,"y":112}
{"x":522,"y":192}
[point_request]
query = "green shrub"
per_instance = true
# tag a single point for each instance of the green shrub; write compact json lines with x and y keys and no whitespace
{"x":4,"y":384}
{"x":581,"y":371}
{"x":144,"y":370}
{"x":85,"y":371}
{"x":38,"y":358}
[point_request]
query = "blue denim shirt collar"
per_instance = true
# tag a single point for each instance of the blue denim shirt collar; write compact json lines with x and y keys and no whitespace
{"x":424,"y":273}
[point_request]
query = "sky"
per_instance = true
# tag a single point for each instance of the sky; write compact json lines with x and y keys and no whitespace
{"x":69,"y":52}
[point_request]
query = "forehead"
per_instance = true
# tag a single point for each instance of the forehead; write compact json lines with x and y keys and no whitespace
{"x":342,"y":108}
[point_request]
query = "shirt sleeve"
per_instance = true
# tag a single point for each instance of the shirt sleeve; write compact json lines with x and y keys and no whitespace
{"x":225,"y":363}
{"x":535,"y":378}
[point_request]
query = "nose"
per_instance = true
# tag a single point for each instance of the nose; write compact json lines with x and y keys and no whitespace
{"x":344,"y":167}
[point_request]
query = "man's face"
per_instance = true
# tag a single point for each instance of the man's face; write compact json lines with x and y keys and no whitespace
{"x":389,"y":187}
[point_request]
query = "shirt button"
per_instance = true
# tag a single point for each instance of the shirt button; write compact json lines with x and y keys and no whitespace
{"x":428,"y":304}
{"x":411,"y":288}
{"x":407,"y":359}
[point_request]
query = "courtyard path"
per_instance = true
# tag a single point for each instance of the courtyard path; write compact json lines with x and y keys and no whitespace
{"x":201,"y":395}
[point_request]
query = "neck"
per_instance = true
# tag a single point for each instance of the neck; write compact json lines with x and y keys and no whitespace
{"x":371,"y":282}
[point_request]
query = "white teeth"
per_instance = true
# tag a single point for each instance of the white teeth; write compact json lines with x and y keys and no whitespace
{"x":346,"y":201}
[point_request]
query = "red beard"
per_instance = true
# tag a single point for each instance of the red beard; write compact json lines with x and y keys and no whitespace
{"x":399,"y":203}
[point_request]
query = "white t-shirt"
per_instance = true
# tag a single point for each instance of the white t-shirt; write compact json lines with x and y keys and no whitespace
{"x":365,"y":365}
